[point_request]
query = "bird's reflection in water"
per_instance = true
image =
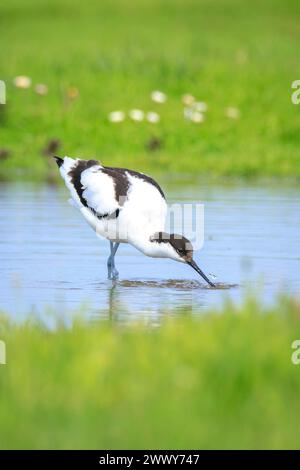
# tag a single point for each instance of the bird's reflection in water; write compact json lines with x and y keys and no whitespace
{"x":151,"y":300}
{"x":112,"y":301}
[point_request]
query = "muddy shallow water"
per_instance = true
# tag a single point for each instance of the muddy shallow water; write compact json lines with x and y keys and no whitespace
{"x":50,"y":260}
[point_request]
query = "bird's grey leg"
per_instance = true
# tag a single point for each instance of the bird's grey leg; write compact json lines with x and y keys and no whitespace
{"x":112,"y":271}
{"x":115,"y":272}
{"x":110,"y":260}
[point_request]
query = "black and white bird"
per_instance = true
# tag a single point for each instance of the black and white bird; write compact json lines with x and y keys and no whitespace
{"x":124,"y":206}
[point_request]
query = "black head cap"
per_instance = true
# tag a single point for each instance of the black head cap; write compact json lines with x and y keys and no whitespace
{"x":183,"y":248}
{"x":181,"y":245}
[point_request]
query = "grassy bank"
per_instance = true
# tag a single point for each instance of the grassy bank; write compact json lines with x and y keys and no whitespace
{"x":219,"y":381}
{"x":97,"y":57}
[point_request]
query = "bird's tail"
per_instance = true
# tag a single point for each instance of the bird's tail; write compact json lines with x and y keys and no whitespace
{"x":65,"y":164}
{"x":59,"y":161}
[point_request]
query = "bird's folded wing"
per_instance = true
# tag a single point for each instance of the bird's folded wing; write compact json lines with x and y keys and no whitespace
{"x":98,"y":191}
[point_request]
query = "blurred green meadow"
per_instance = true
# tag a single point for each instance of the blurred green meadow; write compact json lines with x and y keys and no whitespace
{"x":222,"y":380}
{"x":95,"y":57}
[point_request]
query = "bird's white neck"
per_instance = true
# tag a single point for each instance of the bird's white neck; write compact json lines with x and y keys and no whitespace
{"x":149,"y":247}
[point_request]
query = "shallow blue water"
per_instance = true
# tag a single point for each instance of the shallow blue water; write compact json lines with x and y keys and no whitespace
{"x":50,"y":260}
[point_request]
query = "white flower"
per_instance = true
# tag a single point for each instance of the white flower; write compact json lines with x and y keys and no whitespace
{"x":22,"y":81}
{"x":136,"y":114}
{"x":158,"y":96}
{"x":191,"y":115}
{"x":188,"y":112}
{"x":153,"y":117}
{"x":116,"y":116}
{"x":200,"y":106}
{"x":41,"y":89}
{"x":232,"y":113}
{"x":197,"y":117}
{"x":188,"y":99}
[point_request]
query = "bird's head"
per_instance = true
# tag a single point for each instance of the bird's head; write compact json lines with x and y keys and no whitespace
{"x":178,"y":248}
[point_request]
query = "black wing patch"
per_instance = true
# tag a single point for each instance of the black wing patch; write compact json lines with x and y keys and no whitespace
{"x":75,"y":175}
{"x":119,"y":177}
{"x":114,"y":215}
{"x":121,"y":181}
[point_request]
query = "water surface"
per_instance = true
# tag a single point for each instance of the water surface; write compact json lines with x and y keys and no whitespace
{"x":50,"y":260}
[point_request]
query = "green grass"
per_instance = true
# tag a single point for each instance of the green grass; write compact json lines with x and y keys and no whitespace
{"x":222,"y":380}
{"x":226,"y":52}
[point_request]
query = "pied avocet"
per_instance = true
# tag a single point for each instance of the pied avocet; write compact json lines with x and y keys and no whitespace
{"x":124,"y":206}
